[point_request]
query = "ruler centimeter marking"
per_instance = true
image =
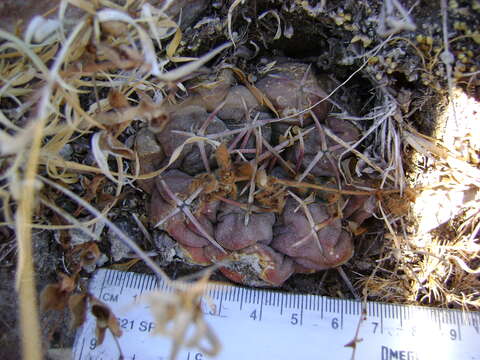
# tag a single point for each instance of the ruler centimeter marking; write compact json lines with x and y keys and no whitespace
{"x":267,"y":324}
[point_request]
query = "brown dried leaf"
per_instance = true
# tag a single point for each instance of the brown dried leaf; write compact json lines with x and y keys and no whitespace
{"x":125,"y":266}
{"x":51,"y":298}
{"x":352,"y":344}
{"x":89,"y":254}
{"x":114,"y":119}
{"x":67,"y":283}
{"x":105,"y":320}
{"x":55,"y":296}
{"x":157,"y":123}
{"x":109,"y":144}
{"x":115,"y":28}
{"x":155,"y":114}
{"x":77,"y":303}
{"x":117,"y":121}
{"x":64,"y":236}
{"x":123,"y":57}
{"x":173,"y":46}
{"x":259,"y":95}
{"x":92,"y":188}
{"x":262,"y":98}
{"x":114,"y":325}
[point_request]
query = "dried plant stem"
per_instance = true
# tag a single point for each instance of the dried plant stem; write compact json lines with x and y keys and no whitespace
{"x":29,"y":324}
{"x":347,"y":281}
{"x":229,"y":18}
{"x":295,"y":184}
{"x":356,"y":339}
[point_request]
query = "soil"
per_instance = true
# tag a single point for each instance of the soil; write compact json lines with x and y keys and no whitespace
{"x":334,"y":40}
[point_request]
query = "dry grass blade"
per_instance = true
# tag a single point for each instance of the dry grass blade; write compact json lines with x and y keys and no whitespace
{"x":229,"y":18}
{"x":184,"y":70}
{"x":25,"y":279}
{"x":274,"y":13}
{"x":305,"y":185}
{"x":178,"y":310}
{"x":150,"y":56}
{"x":26,"y":50}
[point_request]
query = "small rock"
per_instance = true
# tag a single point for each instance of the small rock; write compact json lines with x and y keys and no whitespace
{"x":118,"y":249}
{"x":66,"y":152}
{"x":167,"y":249}
{"x":150,"y":156}
{"x":78,"y":237}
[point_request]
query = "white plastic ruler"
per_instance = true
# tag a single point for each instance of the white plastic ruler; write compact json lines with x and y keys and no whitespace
{"x":262,"y":324}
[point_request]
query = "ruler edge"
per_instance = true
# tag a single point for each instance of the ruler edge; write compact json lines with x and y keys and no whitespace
{"x":372,"y":305}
